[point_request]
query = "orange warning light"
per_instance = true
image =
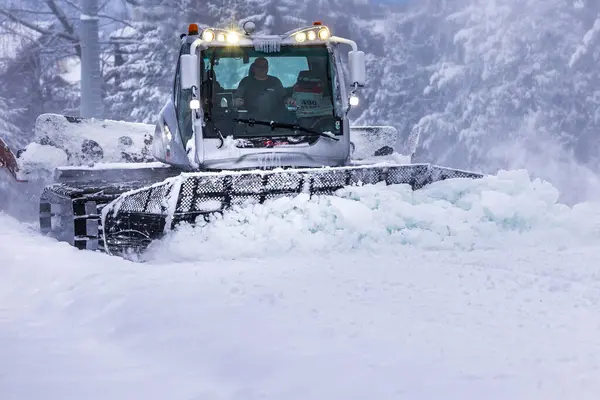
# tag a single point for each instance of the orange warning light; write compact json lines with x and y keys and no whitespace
{"x":193,"y":29}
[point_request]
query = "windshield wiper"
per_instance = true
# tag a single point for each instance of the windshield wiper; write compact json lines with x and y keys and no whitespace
{"x":295,"y":127}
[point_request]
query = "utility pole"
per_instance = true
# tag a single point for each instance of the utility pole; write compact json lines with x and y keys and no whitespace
{"x":91,"y":80}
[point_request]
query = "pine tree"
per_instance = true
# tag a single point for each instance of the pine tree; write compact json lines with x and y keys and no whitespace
{"x":142,"y":84}
{"x":9,"y":132}
{"x":413,"y":40}
{"x":509,"y":96}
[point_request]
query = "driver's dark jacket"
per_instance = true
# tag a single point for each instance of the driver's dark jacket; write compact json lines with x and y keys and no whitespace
{"x":260,"y":95}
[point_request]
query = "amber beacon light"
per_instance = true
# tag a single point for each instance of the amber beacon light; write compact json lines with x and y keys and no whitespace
{"x":193,"y":29}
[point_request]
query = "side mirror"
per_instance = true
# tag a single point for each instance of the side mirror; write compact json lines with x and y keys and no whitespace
{"x":189,"y":71}
{"x":358,"y":69}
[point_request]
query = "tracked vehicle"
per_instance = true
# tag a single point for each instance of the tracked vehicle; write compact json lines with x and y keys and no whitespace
{"x":251,"y":118}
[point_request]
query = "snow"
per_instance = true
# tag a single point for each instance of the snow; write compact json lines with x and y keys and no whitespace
{"x":461,"y":214}
{"x":36,"y":153}
{"x":466,"y":289}
{"x":38,"y":161}
{"x":116,"y":165}
{"x":587,"y":41}
{"x":368,"y":139}
{"x":63,"y":143}
{"x":71,"y":70}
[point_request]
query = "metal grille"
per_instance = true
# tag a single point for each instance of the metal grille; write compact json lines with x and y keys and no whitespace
{"x":136,"y":202}
{"x":141,"y":216}
{"x":408,"y":174}
{"x":207,"y":184}
{"x":211,"y":192}
{"x":247,"y":183}
{"x":64,"y":189}
{"x":366,"y":176}
{"x":284,"y":181}
{"x":157,"y":200}
{"x":187,"y":194}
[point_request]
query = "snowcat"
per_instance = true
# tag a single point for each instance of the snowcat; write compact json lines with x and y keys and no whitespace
{"x":251,"y":117}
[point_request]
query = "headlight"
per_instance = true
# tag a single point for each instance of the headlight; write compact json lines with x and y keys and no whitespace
{"x":300,"y":37}
{"x":208,"y":35}
{"x":354,"y":100}
{"x":312,"y":35}
{"x":233,"y":37}
{"x":221,"y":37}
{"x":324,"y":34}
{"x":195,"y":104}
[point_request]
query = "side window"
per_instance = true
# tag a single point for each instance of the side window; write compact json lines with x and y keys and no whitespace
{"x":177,"y":80}
{"x":337,"y":92}
{"x":177,"y":86}
{"x":181,"y":100}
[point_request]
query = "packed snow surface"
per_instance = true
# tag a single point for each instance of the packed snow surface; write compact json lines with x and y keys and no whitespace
{"x":41,"y":156}
{"x":467,"y":289}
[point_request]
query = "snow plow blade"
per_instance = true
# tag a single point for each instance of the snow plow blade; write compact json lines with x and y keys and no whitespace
{"x":136,"y":218}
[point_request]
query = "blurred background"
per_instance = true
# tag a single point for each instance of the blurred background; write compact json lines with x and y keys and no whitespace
{"x":482,"y":85}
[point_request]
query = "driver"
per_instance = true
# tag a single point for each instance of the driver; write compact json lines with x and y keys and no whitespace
{"x":252,"y":90}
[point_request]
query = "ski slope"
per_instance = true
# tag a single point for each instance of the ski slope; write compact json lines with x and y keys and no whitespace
{"x":467,"y":289}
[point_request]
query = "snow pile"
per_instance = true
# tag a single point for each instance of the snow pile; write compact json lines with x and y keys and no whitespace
{"x":69,"y":141}
{"x":368,"y":139}
{"x":38,"y":161}
{"x":493,"y":324}
{"x":36,"y":154}
{"x":505,"y":210}
{"x":86,"y":140}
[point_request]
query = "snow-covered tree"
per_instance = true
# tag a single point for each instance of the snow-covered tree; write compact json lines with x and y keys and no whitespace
{"x":505,"y":85}
{"x":8,"y":130}
{"x":39,"y":58}
{"x":411,"y":41}
{"x":142,"y":83}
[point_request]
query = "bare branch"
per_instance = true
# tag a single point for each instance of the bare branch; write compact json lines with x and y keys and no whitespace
{"x":75,"y":6}
{"x":103,"y":5}
{"x":34,"y":27}
{"x":47,"y":32}
{"x":99,"y":15}
{"x":114,"y":19}
{"x":61,"y":17}
{"x":36,"y":12}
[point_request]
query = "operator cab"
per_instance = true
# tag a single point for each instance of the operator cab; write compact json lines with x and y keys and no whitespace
{"x":281,"y":95}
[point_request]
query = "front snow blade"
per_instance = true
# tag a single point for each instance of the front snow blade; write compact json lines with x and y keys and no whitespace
{"x":138,"y":217}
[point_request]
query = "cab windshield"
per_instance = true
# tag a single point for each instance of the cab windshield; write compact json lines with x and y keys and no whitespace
{"x":244,"y":91}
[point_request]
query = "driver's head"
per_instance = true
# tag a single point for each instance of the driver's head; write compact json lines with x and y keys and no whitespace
{"x":261,"y":68}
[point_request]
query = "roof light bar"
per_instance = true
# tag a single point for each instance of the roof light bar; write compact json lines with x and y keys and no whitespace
{"x":313,"y":34}
{"x":208,"y":35}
